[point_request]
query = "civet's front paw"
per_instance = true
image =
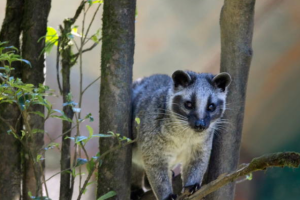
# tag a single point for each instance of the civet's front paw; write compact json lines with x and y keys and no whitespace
{"x":172,"y":197}
{"x":191,"y":189}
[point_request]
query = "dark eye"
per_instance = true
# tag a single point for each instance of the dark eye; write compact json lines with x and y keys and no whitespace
{"x":211,"y":107}
{"x":188,"y":105}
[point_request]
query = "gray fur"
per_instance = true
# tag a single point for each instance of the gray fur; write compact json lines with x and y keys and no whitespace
{"x":167,"y":134}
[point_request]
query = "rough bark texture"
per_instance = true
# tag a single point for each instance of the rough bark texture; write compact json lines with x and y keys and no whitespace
{"x":10,"y":167}
{"x":34,"y":27}
{"x":115,"y":96}
{"x":65,"y":178}
{"x":236,"y":54}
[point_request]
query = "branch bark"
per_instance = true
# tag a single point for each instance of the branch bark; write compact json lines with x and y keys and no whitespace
{"x":236,"y":54}
{"x":287,"y":159}
{"x":66,"y":184}
{"x":10,"y":147}
{"x":115,"y":96}
{"x":34,"y":27}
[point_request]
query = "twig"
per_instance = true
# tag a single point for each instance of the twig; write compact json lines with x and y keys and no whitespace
{"x":11,"y":127}
{"x":85,"y":152}
{"x":58,"y":137}
{"x":18,"y":120}
{"x":75,"y":154}
{"x":95,"y":13}
{"x":287,"y":159}
{"x":45,"y":184}
{"x":78,"y":11}
{"x":90,"y":85}
{"x":87,"y":49}
{"x":97,"y":161}
{"x":57,"y":174}
{"x":57,"y":65}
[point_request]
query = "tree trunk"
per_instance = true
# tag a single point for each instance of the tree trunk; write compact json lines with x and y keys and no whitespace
{"x":236,"y":54}
{"x":115,"y":95}
{"x":10,"y":167}
{"x":34,"y":27}
{"x":65,"y":178}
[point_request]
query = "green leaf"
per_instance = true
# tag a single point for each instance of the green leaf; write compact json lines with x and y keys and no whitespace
{"x":51,"y":36}
{"x":90,"y":183}
{"x":51,"y":39}
{"x":70,"y":103}
{"x":91,"y":2}
{"x":38,"y":113}
{"x":249,"y":177}
{"x":51,"y":146}
{"x":35,"y":130}
{"x":102,"y":135}
{"x":29,"y":194}
{"x":137,"y":120}
{"x":90,"y":165}
{"x":71,"y":138}
{"x":95,"y":38}
{"x":81,"y":138}
{"x":81,"y":161}
{"x":62,"y":117}
{"x":108,"y":195}
{"x":74,"y":31}
{"x":23,"y":134}
{"x":12,"y":47}
{"x":38,"y":158}
{"x":89,"y":116}
{"x":25,"y":61}
{"x":90,"y":130}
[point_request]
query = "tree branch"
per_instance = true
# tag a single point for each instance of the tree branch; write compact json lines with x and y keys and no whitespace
{"x":286,"y":159}
{"x":87,"y":49}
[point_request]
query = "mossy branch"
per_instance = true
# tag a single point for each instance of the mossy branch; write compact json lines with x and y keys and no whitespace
{"x":286,"y":159}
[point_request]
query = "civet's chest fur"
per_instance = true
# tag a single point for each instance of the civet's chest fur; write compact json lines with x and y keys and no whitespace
{"x":178,"y":117}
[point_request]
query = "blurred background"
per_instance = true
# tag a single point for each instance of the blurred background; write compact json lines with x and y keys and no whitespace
{"x":176,"y":34}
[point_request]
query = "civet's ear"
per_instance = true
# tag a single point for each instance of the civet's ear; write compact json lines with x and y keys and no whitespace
{"x":222,"y":80}
{"x":181,"y":78}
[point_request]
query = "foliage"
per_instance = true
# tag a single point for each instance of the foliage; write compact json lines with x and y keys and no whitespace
{"x":24,"y":95}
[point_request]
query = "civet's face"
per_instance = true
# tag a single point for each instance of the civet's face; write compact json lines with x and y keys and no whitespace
{"x":199,"y":99}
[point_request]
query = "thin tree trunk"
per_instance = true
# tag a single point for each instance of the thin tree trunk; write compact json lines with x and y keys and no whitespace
{"x":34,"y":27}
{"x":10,"y":168}
{"x":115,"y":95}
{"x":236,"y":54}
{"x":65,"y":178}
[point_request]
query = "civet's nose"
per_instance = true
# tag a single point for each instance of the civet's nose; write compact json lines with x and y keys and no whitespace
{"x":200,"y":125}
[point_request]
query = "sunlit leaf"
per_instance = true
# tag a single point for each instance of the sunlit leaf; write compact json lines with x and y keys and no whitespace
{"x":38,"y":157}
{"x":90,"y":130}
{"x":249,"y":177}
{"x":51,"y":36}
{"x":137,"y":120}
{"x":74,"y":31}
